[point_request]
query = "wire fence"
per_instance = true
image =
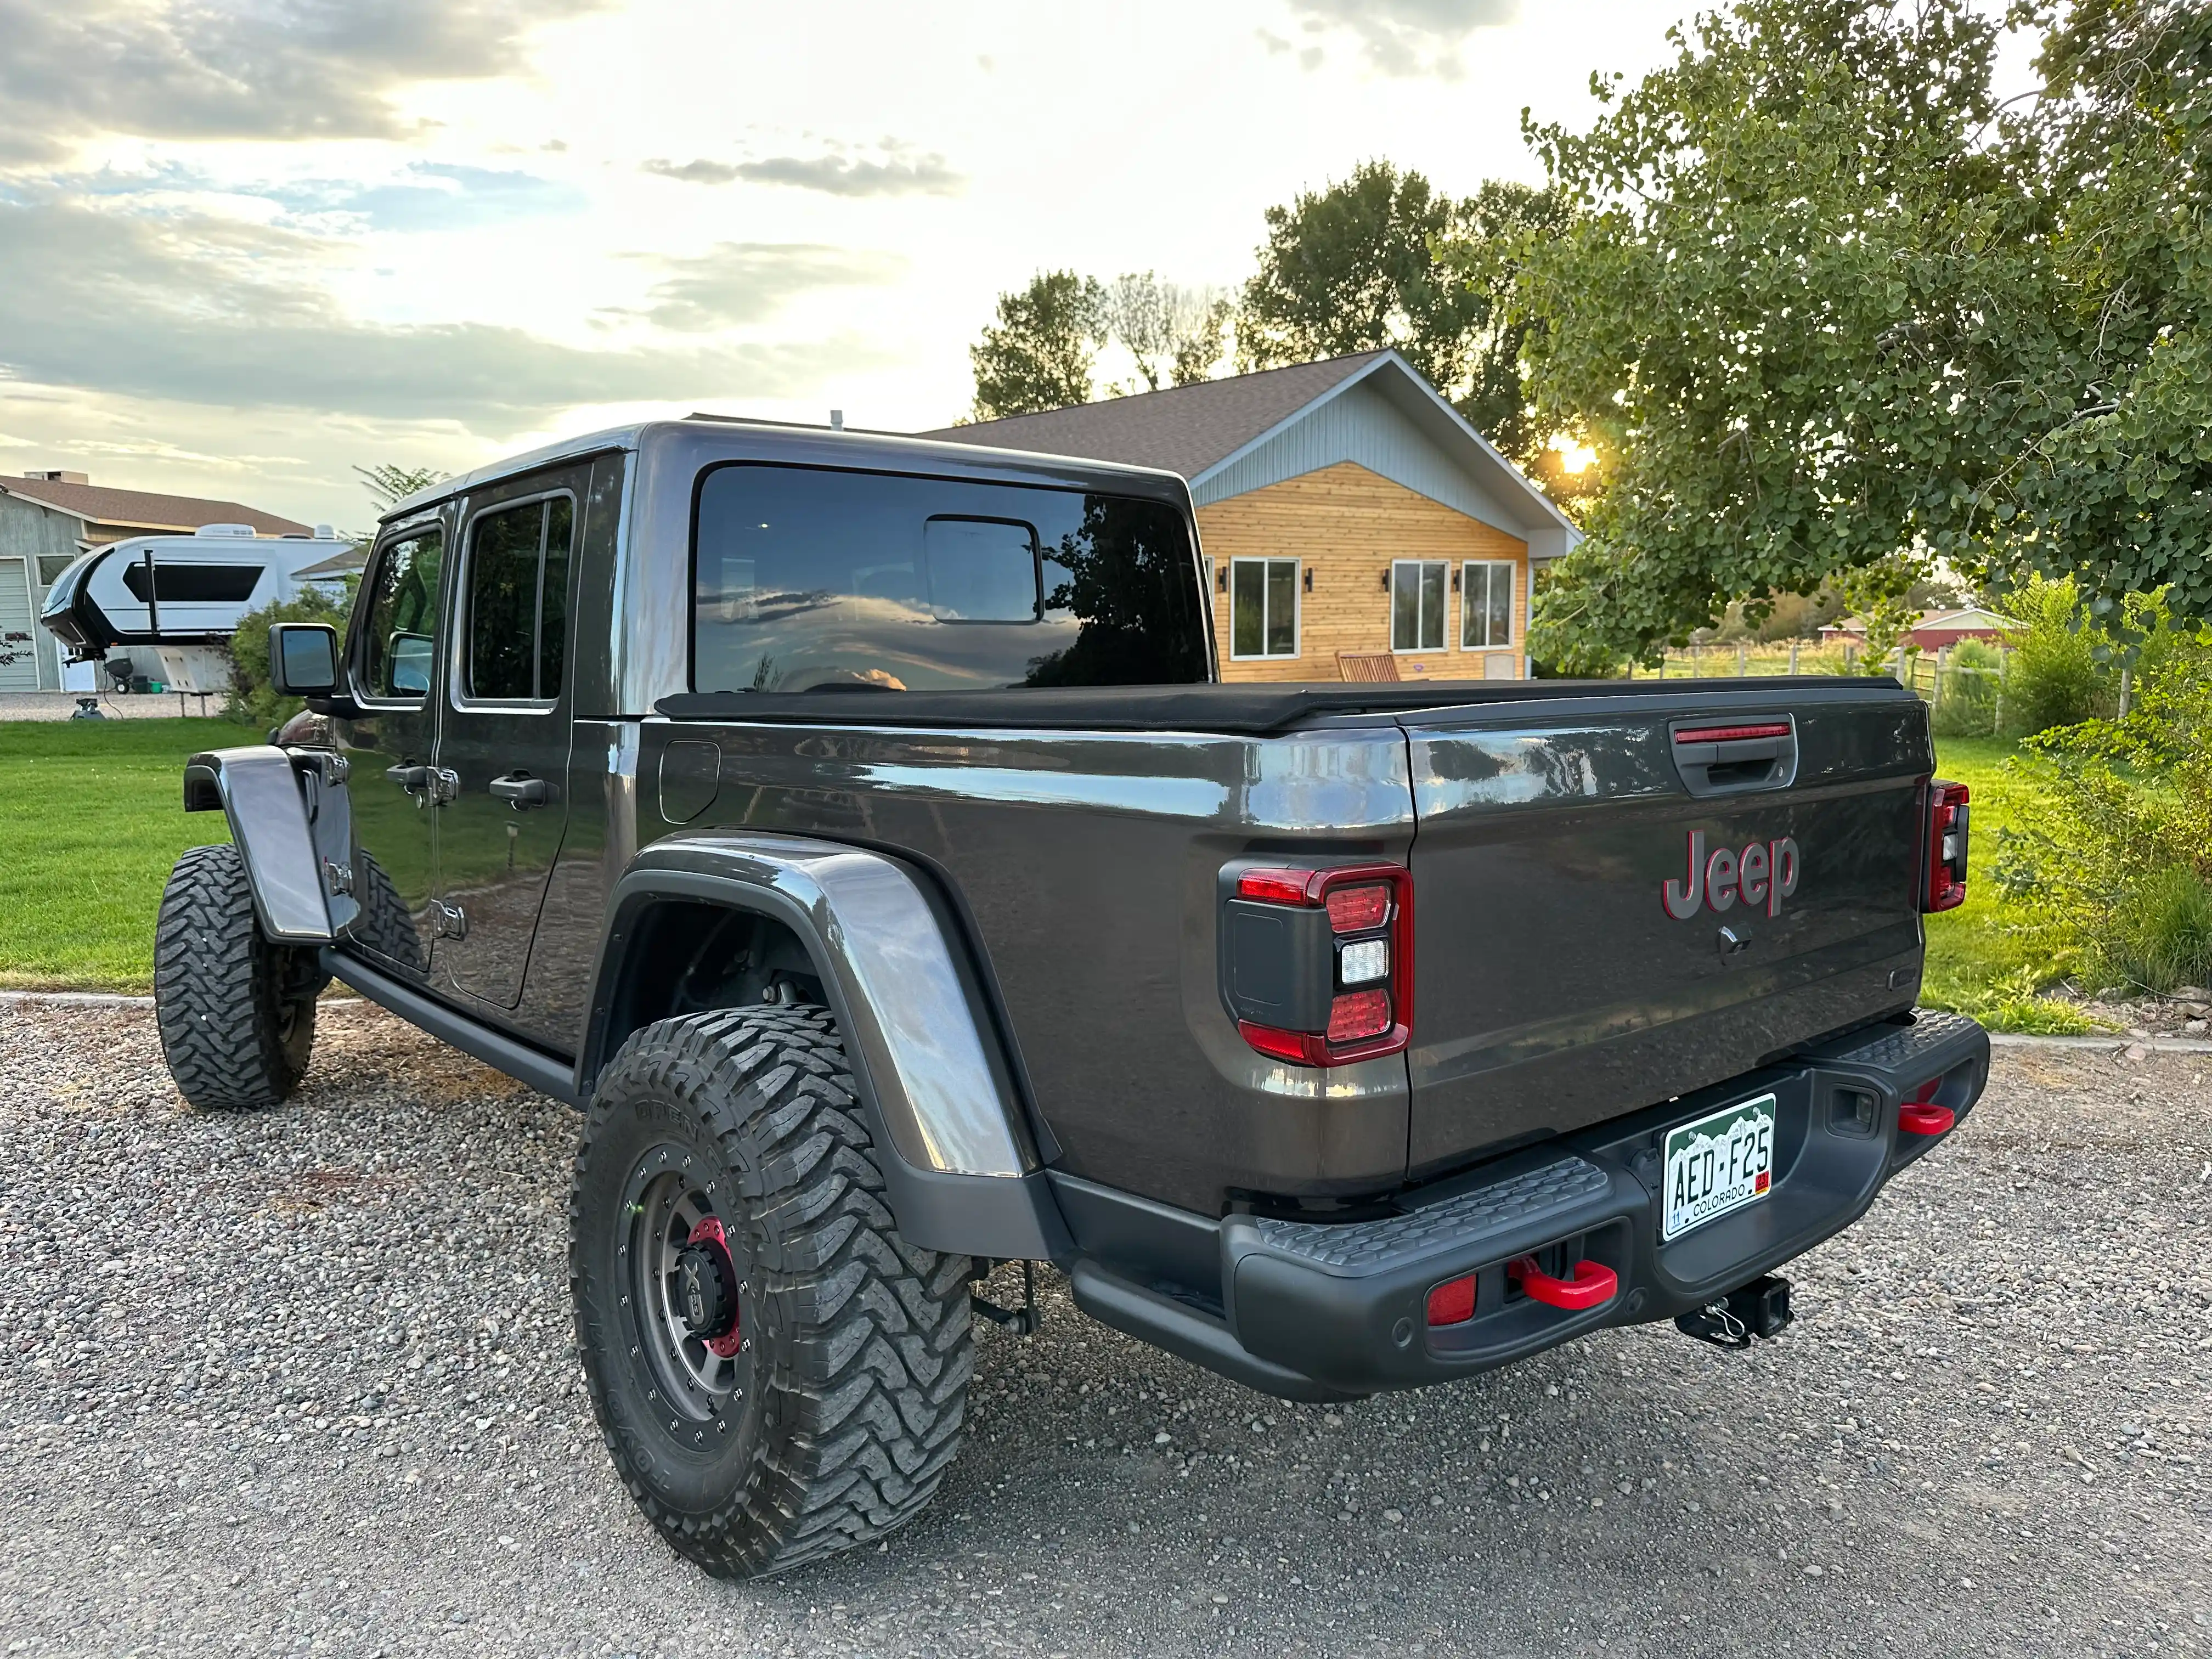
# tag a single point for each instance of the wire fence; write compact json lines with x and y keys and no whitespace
{"x":1966,"y":700}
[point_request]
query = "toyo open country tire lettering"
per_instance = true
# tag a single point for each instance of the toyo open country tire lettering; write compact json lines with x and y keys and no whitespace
{"x":778,"y":1375}
{"x":236,"y":1013}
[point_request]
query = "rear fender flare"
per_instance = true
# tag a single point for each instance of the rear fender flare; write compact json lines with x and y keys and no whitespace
{"x":265,"y":799}
{"x":960,"y":1166}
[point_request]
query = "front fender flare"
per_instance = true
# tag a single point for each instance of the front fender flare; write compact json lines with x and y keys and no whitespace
{"x":264,"y":798}
{"x":960,"y":1166}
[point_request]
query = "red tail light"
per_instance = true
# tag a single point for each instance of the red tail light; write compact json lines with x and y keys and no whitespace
{"x":1332,"y":982}
{"x":1946,"y":857}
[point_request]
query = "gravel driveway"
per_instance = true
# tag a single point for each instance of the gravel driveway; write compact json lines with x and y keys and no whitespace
{"x":302,"y":1382}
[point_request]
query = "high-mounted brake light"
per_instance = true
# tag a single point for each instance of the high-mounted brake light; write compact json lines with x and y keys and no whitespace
{"x":1317,"y":963}
{"x":1945,"y":856}
{"x":1733,"y":733}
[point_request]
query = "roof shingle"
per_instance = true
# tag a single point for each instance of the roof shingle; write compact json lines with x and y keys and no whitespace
{"x":139,"y":509}
{"x":1184,"y":428}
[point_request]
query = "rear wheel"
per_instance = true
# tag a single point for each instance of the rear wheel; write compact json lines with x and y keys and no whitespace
{"x":778,"y":1374}
{"x":236,"y":1013}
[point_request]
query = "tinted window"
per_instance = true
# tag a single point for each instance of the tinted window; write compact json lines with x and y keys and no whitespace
{"x":518,"y":582}
{"x":192,"y":584}
{"x":401,"y":616}
{"x":810,"y":579}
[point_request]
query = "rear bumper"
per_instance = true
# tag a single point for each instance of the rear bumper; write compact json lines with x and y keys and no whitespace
{"x":1313,"y":1310}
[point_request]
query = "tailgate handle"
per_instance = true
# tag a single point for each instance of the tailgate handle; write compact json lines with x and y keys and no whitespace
{"x":1593,"y":1283}
{"x":1739,"y":755}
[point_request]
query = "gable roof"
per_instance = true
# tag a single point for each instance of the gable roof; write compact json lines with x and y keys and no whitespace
{"x":140,"y":509}
{"x":1203,"y":431}
{"x":1182,"y":428}
{"x":349,"y":562}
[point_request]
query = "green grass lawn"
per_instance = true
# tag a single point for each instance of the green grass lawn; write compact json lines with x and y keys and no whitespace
{"x":92,"y":815}
{"x":1989,"y":957}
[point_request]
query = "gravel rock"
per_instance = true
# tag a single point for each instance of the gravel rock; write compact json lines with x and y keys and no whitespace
{"x":303,"y":1382}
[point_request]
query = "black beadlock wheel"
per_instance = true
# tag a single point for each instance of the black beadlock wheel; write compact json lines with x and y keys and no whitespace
{"x":236,"y":1013}
{"x":778,"y":1374}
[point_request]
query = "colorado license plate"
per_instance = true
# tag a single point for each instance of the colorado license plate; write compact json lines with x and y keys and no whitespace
{"x":1718,"y":1164}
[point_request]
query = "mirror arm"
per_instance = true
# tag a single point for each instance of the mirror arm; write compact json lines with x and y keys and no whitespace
{"x":338,"y":706}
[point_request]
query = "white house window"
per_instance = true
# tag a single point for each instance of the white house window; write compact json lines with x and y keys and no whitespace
{"x":1417,"y":604}
{"x":1263,"y":607}
{"x":1486,"y":604}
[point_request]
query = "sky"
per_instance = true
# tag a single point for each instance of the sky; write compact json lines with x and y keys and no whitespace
{"x":248,"y":245}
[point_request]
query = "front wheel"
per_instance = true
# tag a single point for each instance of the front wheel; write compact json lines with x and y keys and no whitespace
{"x":236,"y":1013}
{"x":778,"y":1374}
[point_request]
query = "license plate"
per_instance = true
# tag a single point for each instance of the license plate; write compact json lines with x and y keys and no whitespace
{"x":1718,"y":1164}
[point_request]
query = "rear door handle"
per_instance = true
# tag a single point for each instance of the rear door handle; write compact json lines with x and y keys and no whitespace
{"x":521,"y":791}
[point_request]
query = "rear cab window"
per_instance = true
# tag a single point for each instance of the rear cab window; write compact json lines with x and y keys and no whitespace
{"x":808,"y":579}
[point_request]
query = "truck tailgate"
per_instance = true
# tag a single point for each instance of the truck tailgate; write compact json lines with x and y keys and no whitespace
{"x":1558,"y":984}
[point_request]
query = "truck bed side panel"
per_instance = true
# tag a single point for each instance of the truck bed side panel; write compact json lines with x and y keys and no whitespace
{"x":1086,"y":865}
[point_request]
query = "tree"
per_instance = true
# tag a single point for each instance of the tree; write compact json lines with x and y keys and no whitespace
{"x":2115,"y":492}
{"x":1038,"y":355}
{"x":389,"y":485}
{"x":1485,"y":251}
{"x":1174,"y":332}
{"x":1794,"y":310}
{"x":1354,"y":267}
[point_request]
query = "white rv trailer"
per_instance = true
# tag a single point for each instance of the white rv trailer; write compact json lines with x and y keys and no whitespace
{"x":174,"y":600}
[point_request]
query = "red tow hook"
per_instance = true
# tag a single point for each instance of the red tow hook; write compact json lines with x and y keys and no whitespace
{"x":1592,"y":1285}
{"x":1921,"y":1115}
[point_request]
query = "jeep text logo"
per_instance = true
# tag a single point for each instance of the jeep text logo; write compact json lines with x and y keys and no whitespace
{"x":1764,"y":873}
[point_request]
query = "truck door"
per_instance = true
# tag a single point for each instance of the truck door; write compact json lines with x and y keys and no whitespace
{"x":503,"y":749}
{"x":394,"y":789}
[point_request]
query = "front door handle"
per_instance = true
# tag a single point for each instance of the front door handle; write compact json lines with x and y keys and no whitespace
{"x":521,"y":791}
{"x":410,"y":778}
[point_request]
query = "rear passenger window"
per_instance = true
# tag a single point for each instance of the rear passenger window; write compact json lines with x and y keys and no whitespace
{"x":813,"y":580}
{"x":518,"y":587}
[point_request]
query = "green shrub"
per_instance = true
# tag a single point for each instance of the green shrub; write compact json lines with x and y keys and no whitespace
{"x":2161,"y":935}
{"x":2054,"y":678}
{"x":1966,"y":691}
{"x":2114,"y":832}
{"x":252,"y":698}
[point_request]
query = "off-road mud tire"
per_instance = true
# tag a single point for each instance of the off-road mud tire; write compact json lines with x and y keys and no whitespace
{"x":236,"y":1013}
{"x":384,"y":925}
{"x":851,"y":1386}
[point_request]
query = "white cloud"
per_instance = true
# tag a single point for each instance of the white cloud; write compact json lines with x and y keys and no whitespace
{"x":738,"y":282}
{"x":832,"y":175}
{"x":206,"y":310}
{"x":1405,"y":37}
{"x":291,"y":70}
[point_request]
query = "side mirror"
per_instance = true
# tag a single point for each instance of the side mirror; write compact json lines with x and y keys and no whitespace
{"x":303,"y":658}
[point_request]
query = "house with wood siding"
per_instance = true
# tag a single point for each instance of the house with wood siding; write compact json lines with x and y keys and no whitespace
{"x":1354,"y":524}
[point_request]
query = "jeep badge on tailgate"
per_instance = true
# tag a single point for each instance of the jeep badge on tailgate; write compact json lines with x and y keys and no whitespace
{"x":1764,"y":872}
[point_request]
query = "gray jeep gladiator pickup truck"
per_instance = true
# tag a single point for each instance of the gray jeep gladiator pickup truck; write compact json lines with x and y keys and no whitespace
{"x":855,"y":831}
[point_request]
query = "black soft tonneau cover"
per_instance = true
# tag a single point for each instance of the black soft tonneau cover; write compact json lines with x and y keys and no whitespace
{"x":1256,"y":708}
